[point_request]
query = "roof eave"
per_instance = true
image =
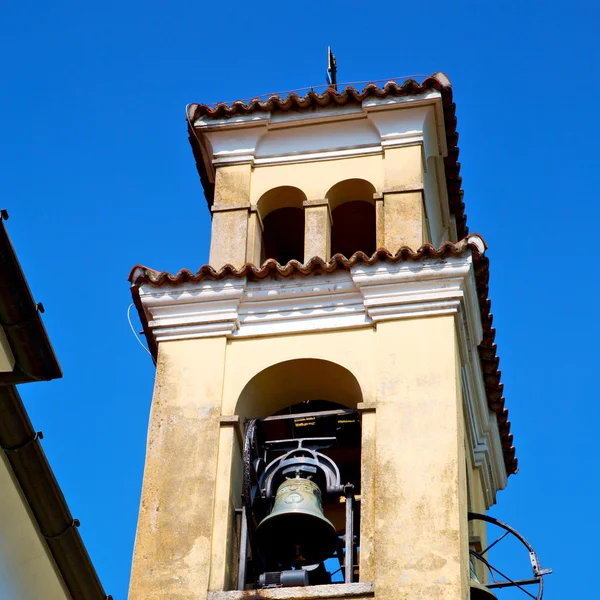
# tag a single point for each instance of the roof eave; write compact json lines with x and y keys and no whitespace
{"x":40,"y":488}
{"x":22,"y":324}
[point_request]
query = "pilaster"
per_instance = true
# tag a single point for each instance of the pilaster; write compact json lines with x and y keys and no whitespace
{"x":229,"y":233}
{"x":420,"y":539}
{"x":379,"y":220}
{"x":227,"y":498}
{"x":317,"y":229}
{"x":368,"y":465}
{"x":228,"y":237}
{"x":404,"y":220}
{"x":254,"y":240}
{"x":174,"y":536}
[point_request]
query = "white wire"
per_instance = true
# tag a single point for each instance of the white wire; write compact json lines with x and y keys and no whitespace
{"x":135,"y":333}
{"x":318,"y":86}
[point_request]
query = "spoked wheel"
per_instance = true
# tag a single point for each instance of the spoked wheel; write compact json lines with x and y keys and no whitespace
{"x":531,"y":587}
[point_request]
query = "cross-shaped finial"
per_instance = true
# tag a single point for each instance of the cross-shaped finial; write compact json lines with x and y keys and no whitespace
{"x":331,"y":69}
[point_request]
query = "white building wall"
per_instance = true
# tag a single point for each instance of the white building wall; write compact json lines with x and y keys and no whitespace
{"x":27,"y":570}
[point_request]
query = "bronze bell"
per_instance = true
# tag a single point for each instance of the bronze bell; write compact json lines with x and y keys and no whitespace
{"x":480,"y":592}
{"x":296,"y":531}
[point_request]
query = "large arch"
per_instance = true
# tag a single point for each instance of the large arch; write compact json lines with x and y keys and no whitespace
{"x":353,"y":215}
{"x":283,"y":196}
{"x":293,"y":381}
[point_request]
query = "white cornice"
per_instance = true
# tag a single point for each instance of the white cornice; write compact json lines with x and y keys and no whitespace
{"x":194,"y":310}
{"x":328,"y":133}
{"x":422,"y":288}
{"x":360,"y":297}
{"x":301,"y":304}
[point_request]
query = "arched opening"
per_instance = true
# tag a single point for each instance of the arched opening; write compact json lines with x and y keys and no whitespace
{"x":282,"y":213}
{"x":294,"y":381}
{"x":353,"y":215}
{"x":303,"y":447}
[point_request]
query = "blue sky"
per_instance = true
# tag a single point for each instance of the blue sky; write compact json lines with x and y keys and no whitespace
{"x":98,"y":175}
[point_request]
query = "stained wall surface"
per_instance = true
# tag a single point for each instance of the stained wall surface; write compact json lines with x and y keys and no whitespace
{"x":27,"y":570}
{"x":414,"y":461}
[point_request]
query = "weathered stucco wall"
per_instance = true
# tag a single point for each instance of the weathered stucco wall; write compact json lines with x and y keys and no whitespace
{"x":413,"y":509}
{"x":420,"y":484}
{"x":397,"y":174}
{"x":172,"y":554}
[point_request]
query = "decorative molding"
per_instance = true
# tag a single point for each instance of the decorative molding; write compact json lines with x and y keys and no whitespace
{"x":301,"y":304}
{"x":229,"y":207}
{"x":198,"y":310}
{"x":320,"y":155}
{"x":330,"y":133}
{"x":482,"y":431}
{"x":422,"y":288}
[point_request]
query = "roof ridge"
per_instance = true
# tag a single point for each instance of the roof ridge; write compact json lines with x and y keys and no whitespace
{"x":329,"y":95}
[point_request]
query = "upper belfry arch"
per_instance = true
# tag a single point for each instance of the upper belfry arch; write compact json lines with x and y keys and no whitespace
{"x":284,"y":196}
{"x":277,"y":228}
{"x":354,"y":221}
{"x":350,"y":190}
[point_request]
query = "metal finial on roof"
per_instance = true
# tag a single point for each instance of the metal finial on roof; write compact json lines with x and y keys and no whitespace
{"x":331,"y":69}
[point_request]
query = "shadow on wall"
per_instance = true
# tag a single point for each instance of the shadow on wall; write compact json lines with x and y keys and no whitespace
{"x":353,"y":214}
{"x":282,"y":212}
{"x":294,"y":381}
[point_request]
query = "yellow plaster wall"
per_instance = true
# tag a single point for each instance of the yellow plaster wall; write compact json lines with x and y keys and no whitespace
{"x":403,"y":169}
{"x":420,"y":537}
{"x":477,"y":504}
{"x":172,"y":554}
{"x":351,"y":349}
{"x":254,"y":239}
{"x":229,"y":238}
{"x":225,"y":547}
{"x":316,"y":178}
{"x":397,"y":172}
{"x":317,"y":232}
{"x":232,"y":185}
{"x":414,"y":539}
{"x":403,"y":220}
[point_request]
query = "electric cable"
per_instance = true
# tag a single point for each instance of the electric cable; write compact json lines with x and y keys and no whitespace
{"x":135,"y":333}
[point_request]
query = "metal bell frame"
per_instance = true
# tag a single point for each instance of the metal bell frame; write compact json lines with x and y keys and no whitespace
{"x":537,"y":572}
{"x":260,"y":481}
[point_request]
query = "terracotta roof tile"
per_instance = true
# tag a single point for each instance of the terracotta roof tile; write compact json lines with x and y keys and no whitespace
{"x":140,"y":275}
{"x":410,"y":87}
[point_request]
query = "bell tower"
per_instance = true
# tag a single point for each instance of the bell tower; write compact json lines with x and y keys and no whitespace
{"x":327,"y":407}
